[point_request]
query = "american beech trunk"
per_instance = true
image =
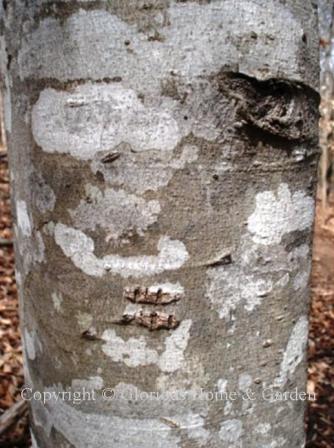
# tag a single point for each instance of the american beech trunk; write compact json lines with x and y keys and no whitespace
{"x":163,"y":164}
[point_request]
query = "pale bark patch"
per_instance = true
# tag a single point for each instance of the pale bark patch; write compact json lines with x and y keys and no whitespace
{"x":227,"y":289}
{"x":57,"y":300}
{"x":172,"y":254}
{"x":244,"y":382}
{"x":97,"y":36}
{"x":134,"y":352}
{"x":295,"y":351}
{"x":141,"y":172}
{"x":44,"y":196}
{"x":231,"y":431}
{"x":99,"y":117}
{"x":279,"y":213}
{"x":23,"y":219}
{"x":263,"y":428}
{"x":115,"y":211}
{"x":32,"y":343}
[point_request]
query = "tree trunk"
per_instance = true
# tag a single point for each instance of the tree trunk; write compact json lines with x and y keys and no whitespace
{"x":163,"y":162}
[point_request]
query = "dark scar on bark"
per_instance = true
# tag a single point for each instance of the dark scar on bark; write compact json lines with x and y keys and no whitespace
{"x":90,"y":335}
{"x":139,"y":294}
{"x":151,"y":320}
{"x":222,"y":261}
{"x":109,"y":158}
{"x":275,"y":108}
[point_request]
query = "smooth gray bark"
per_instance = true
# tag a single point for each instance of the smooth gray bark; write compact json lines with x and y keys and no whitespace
{"x":163,"y":161}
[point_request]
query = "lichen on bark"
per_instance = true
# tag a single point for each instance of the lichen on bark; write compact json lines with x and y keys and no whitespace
{"x":163,"y":158}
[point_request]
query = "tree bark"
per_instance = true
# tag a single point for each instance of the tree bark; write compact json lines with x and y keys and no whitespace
{"x":163,"y":163}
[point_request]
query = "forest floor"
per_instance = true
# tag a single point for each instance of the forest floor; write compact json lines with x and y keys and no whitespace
{"x":320,"y":415}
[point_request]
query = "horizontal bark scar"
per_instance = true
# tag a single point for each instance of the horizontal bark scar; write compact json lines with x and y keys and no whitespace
{"x":276,"y":107}
{"x":151,"y":320}
{"x":159,"y":296}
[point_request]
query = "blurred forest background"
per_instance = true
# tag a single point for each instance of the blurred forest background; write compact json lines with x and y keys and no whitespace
{"x":319,"y":422}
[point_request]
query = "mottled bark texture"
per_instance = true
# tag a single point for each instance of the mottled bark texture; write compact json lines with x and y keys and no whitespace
{"x":163,"y":161}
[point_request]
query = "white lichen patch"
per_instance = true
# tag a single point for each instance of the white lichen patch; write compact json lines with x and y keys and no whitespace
{"x":196,"y":37}
{"x":231,"y":431}
{"x":57,"y":300}
{"x":32,"y":249}
{"x":84,"y":319}
{"x":97,"y":117}
{"x":18,"y":278}
{"x":295,"y":351}
{"x":29,"y":344}
{"x":194,"y":425}
{"x":116,"y":212}
{"x":23,"y":219}
{"x":283,"y":281}
{"x":245,"y":381}
{"x":7,"y":102}
{"x":228,"y":408}
{"x":257,"y":271}
{"x":32,"y":343}
{"x":190,"y":377}
{"x":44,"y":196}
{"x":222,"y":385}
{"x":173,"y":356}
{"x":172,"y":254}
{"x":301,"y":280}
{"x":279,"y":442}
{"x":277,"y":214}
{"x":38,"y":248}
{"x":263,"y":428}
{"x":134,"y":352}
{"x":141,"y":172}
{"x":30,"y":243}
{"x":227,"y":289}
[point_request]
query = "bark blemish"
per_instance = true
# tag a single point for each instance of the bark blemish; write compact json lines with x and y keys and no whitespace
{"x":221,"y":260}
{"x":154,"y":320}
{"x":90,"y":334}
{"x":276,"y":107}
{"x":161,"y":294}
{"x":111,"y":157}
